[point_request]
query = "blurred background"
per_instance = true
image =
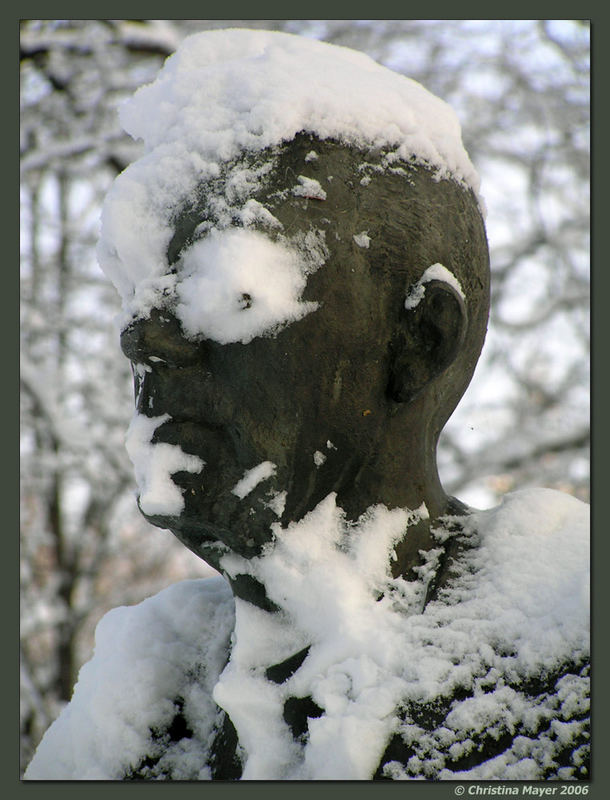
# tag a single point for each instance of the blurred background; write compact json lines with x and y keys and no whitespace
{"x":521,"y":91}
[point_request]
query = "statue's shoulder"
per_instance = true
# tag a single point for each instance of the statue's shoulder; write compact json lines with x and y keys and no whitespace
{"x":537,"y":513}
{"x":146,"y":691}
{"x":509,"y":631}
{"x":533,"y":538}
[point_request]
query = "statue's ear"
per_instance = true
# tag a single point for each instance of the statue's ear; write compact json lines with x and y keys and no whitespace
{"x":428,"y":338}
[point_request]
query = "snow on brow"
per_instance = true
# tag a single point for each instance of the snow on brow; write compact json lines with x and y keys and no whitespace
{"x":239,"y":284}
{"x":227,"y":92}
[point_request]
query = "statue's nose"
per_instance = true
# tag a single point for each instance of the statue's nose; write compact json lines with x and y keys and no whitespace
{"x":159,"y":339}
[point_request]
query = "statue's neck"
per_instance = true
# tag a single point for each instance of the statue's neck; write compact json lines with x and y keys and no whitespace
{"x":312,"y":615}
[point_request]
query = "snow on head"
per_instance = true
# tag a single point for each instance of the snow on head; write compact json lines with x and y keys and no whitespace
{"x":230,"y":92}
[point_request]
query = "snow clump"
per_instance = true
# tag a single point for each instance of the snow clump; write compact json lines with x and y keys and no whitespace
{"x":437,"y":272}
{"x":516,"y":610}
{"x":170,"y":646}
{"x":154,"y":464}
{"x":253,"y":477}
{"x":239,"y":284}
{"x":362,"y":239}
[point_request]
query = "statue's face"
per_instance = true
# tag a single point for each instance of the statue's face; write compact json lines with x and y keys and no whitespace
{"x":311,"y":401}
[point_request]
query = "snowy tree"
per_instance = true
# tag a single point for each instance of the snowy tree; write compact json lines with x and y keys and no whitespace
{"x":521,"y":92}
{"x":76,"y":389}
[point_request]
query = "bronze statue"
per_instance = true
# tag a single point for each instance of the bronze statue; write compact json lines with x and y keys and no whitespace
{"x":376,"y":379}
{"x":382,"y":627}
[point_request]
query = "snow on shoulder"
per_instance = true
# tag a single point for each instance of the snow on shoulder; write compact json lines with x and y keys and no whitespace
{"x":229,"y":92}
{"x":515,"y":613}
{"x":486,"y":681}
{"x":171,"y":646}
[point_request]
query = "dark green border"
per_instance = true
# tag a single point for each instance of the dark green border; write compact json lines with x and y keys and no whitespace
{"x":9,"y":745}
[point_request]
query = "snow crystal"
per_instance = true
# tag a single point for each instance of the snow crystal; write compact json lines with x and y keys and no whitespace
{"x":318,"y":458}
{"x":277,"y":503}
{"x":310,"y":188}
{"x":229,"y":92}
{"x":437,"y":272}
{"x":154,"y":465}
{"x":252,"y":477}
{"x":362,"y":239}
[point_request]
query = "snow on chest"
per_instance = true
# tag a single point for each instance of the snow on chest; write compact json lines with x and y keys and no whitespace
{"x":376,"y":664}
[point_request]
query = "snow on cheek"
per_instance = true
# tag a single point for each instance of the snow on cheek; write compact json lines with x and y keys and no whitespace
{"x":155,"y":464}
{"x":239,"y":284}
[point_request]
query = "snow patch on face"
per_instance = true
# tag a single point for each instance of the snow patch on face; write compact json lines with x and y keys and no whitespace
{"x":437,"y":272}
{"x":154,"y":465}
{"x":237,"y":284}
{"x":252,"y":477}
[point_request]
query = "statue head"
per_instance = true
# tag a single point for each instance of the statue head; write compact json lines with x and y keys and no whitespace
{"x":317,"y":311}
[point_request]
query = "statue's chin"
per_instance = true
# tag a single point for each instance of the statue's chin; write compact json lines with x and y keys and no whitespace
{"x":219,"y":528}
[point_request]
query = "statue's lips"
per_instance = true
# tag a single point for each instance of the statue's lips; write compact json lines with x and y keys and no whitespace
{"x":212,"y":511}
{"x":220,"y":465}
{"x":192,"y":437}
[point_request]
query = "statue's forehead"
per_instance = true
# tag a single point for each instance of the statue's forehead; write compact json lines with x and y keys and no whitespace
{"x":284,"y":189}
